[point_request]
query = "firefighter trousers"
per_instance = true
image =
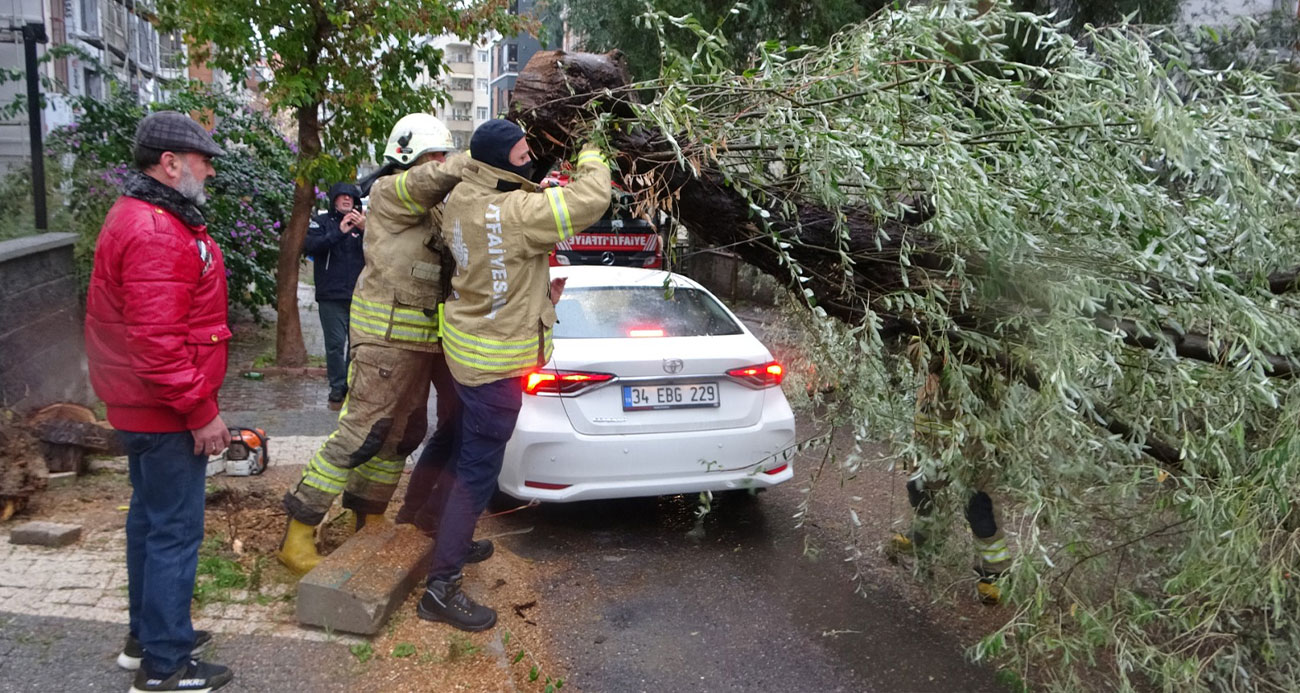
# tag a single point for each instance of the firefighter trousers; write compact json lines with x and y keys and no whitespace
{"x":383,"y":420}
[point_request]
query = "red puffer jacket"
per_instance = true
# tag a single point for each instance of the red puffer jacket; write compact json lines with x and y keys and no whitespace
{"x":156,"y":332}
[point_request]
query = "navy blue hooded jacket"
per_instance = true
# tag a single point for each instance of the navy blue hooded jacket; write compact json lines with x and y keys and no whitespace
{"x":337,"y":257}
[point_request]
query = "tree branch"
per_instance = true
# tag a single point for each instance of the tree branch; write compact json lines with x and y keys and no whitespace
{"x":1194,"y":346}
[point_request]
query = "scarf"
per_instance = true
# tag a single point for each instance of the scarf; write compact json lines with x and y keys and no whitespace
{"x":143,"y":187}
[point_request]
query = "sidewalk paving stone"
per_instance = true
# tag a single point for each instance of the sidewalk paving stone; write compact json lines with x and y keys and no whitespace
{"x":53,"y":534}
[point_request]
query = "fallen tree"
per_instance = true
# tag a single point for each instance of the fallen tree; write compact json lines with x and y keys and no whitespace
{"x":1096,"y":242}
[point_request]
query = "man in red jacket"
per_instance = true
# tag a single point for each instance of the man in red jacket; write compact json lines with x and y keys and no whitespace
{"x":156,"y":338}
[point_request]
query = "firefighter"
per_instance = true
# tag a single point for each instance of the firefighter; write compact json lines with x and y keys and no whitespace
{"x":393,"y":330}
{"x":500,"y":228}
{"x":935,"y":415}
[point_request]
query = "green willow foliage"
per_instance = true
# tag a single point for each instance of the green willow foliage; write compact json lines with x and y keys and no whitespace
{"x":1086,"y":177}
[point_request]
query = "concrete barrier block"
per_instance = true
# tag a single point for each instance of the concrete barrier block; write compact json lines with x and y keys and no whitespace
{"x":51,"y":534}
{"x":356,"y":588}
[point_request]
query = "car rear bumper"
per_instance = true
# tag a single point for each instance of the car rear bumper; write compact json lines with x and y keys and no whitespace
{"x":626,"y":466}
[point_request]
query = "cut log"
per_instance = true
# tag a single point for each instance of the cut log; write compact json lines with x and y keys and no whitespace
{"x":67,"y":432}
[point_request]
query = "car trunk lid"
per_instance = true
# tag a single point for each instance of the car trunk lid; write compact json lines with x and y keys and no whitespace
{"x":671,"y":372}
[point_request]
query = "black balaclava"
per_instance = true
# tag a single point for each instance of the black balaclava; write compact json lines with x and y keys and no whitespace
{"x":492,"y":142}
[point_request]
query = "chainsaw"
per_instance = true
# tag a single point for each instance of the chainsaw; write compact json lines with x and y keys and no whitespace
{"x":248,"y":453}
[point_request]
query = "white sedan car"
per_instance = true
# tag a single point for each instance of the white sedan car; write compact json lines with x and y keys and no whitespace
{"x":650,"y":391}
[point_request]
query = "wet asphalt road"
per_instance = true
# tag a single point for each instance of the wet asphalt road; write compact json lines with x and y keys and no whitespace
{"x":645,"y":601}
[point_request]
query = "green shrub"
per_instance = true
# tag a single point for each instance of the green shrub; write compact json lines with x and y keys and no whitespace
{"x":248,"y":201}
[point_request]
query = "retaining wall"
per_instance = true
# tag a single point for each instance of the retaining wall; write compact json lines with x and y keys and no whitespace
{"x":42,"y":355}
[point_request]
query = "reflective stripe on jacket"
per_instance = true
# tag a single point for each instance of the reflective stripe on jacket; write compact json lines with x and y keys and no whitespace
{"x":498,"y":320}
{"x":396,"y":299}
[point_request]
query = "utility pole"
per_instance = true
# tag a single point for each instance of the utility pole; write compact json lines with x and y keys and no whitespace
{"x":34,"y":33}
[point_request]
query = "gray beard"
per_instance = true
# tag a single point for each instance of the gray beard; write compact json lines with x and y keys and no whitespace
{"x":192,"y":188}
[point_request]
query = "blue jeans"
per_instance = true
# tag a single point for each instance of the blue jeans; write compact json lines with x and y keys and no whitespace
{"x":164,"y":528}
{"x":487,"y":420}
{"x":426,"y":492}
{"x":334,"y":324}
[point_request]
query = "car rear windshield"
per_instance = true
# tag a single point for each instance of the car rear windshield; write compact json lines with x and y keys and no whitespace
{"x":635,"y":311}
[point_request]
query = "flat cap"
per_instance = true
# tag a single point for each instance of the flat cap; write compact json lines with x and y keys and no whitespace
{"x":170,"y":131}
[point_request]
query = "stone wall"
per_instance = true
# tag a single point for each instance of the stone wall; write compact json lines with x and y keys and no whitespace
{"x":42,"y":355}
{"x":730,"y":278}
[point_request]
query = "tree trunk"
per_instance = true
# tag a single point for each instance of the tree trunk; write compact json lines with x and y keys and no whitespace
{"x":554,"y":97}
{"x":289,"y":347}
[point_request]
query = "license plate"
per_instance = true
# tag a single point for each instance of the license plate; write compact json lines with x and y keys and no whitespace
{"x":637,"y":397}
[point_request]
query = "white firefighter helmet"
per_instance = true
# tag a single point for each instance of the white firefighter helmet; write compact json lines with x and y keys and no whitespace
{"x":415,"y":134}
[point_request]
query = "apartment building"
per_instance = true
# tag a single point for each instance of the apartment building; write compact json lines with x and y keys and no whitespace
{"x":1225,"y":12}
{"x":121,"y":47}
{"x":467,"y":69}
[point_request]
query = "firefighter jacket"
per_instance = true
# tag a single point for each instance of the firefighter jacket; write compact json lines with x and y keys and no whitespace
{"x":396,"y":299}
{"x":501,"y":228}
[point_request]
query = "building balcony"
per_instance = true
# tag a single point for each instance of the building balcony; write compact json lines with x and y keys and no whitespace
{"x":460,"y":68}
{"x":461,"y":95}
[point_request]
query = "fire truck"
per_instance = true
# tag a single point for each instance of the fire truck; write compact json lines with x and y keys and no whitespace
{"x":618,"y":239}
{"x":617,"y":242}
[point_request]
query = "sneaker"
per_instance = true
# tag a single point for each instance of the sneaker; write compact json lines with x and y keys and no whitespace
{"x":443,"y":601}
{"x":196,"y":677}
{"x":133,"y":652}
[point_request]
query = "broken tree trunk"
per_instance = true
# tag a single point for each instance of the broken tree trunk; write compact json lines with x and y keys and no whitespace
{"x":559,"y":91}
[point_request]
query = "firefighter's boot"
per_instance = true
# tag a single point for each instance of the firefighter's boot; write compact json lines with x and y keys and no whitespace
{"x":987,"y":588}
{"x":366,"y":519}
{"x":298,"y":548}
{"x":444,"y":601}
{"x":905,"y":544}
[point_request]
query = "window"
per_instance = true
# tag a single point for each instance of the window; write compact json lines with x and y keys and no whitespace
{"x":458,"y":140}
{"x":94,"y":84}
{"x":482,"y":112}
{"x":90,"y":17}
{"x":610,"y":312}
{"x":482,"y":56}
{"x":171,"y":53}
{"x":483,"y":85}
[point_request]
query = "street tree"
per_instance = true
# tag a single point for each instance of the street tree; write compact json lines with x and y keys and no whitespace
{"x":1088,"y":245}
{"x":345,"y":70}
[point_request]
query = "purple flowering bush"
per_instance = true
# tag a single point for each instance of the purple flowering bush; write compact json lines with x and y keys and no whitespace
{"x":248,"y":201}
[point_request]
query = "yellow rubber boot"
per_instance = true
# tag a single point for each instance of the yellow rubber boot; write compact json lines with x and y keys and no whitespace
{"x":366,"y":519}
{"x":989,"y":592}
{"x":900,"y":545}
{"x":298,"y":550}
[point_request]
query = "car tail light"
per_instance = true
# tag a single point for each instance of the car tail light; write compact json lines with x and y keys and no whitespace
{"x":645,"y":332}
{"x":767,"y":374}
{"x":540,"y":382}
{"x":776,"y":471}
